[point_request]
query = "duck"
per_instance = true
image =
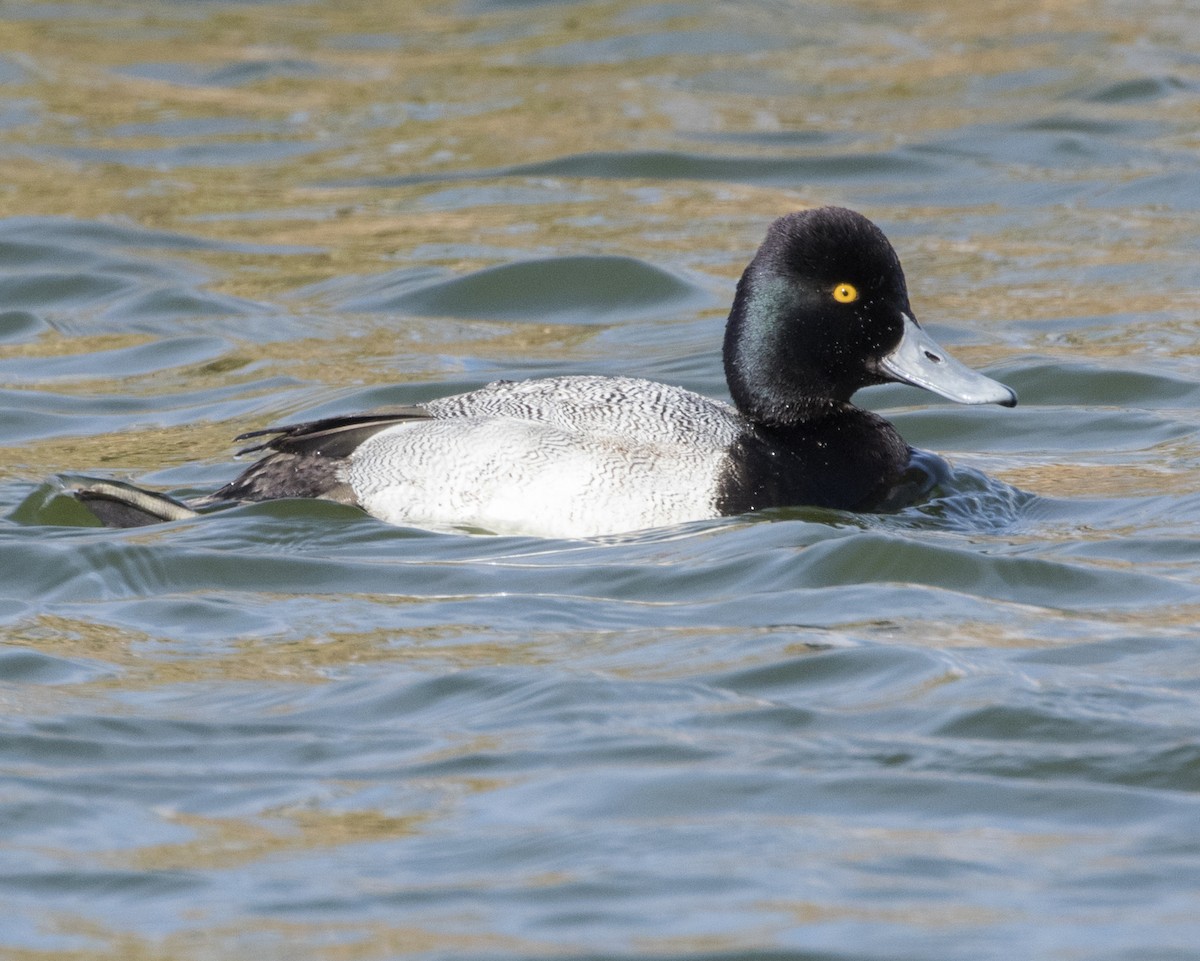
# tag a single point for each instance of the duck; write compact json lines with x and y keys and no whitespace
{"x":821,"y":311}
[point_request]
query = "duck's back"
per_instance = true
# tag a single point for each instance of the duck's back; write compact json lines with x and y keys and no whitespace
{"x":562,"y":456}
{"x":625,"y":409}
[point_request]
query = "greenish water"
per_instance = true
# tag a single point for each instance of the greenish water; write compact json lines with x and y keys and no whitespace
{"x":965,"y":731}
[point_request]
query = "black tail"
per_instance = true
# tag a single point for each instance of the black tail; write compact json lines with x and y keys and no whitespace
{"x":123,"y":505}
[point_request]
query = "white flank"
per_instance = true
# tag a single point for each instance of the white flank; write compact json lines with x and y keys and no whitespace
{"x":565,"y":457}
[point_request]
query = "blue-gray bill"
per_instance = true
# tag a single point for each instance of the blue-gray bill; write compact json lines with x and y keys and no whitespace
{"x":919,"y":360}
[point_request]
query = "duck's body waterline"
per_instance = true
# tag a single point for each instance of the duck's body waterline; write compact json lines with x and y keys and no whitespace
{"x":821,"y":311}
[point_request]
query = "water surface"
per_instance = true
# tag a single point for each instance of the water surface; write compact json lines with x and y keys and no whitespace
{"x":966,"y":730}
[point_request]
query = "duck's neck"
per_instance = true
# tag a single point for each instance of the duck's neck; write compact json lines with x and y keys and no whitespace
{"x":800,"y":412}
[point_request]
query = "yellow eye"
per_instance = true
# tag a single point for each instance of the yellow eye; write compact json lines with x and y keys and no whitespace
{"x":845,"y":293}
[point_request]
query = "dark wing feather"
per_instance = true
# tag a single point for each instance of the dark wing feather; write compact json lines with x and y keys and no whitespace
{"x":330,"y":436}
{"x":302,"y":459}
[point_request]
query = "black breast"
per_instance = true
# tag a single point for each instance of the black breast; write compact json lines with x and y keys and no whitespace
{"x":848,"y":459}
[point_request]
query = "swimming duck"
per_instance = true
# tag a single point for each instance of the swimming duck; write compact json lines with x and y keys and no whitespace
{"x":821,"y":311}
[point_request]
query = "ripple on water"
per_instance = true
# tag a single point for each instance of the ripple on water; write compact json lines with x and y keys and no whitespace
{"x":592,"y":290}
